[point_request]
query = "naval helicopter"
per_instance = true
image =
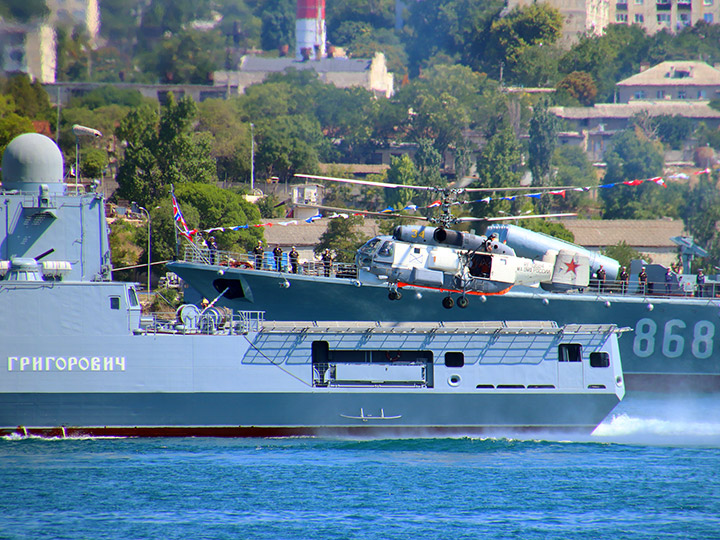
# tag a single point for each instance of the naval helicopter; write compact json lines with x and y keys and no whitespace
{"x":437,"y":257}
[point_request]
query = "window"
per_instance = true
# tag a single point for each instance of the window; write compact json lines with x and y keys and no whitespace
{"x":454,"y":359}
{"x":707,"y":2}
{"x":701,"y":94}
{"x":599,"y":359}
{"x":638,"y":2}
{"x":114,"y":302}
{"x":621,"y":17}
{"x":682,"y":94}
{"x":132,"y":296}
{"x":663,"y":18}
{"x":570,"y":352}
{"x":639,"y":94}
{"x":661,"y":94}
{"x":639,"y":18}
{"x":708,"y":17}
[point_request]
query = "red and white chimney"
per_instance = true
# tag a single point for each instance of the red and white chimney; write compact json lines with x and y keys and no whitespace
{"x":310,"y":30}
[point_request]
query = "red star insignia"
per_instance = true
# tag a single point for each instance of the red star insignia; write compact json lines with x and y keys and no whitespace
{"x":572,"y":266}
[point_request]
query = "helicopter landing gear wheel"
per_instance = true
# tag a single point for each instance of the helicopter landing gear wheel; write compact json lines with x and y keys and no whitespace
{"x":448,"y":302}
{"x":462,"y":302}
{"x":394,"y":295}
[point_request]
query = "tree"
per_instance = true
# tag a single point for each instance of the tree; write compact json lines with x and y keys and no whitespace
{"x":631,"y":158}
{"x":673,"y":130}
{"x":578,"y":86}
{"x":498,"y":165}
{"x":402,"y":171}
{"x":191,"y":56}
{"x":29,"y":98}
{"x":342,"y":238}
{"x":278,"y":24}
{"x":571,"y":167}
{"x":23,"y":10}
{"x":624,"y":253}
{"x":161,"y":151}
{"x":11,"y":123}
{"x":543,"y":137}
{"x":524,"y":27}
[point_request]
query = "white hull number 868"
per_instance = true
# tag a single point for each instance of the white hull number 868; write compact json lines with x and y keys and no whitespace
{"x":673,"y":339}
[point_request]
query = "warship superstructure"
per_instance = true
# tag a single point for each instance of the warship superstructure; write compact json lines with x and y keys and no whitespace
{"x":78,"y":356}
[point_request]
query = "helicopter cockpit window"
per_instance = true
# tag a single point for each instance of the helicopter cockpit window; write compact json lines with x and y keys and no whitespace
{"x":386,"y":250}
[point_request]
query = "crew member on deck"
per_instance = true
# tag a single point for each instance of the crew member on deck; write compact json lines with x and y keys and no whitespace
{"x":258,"y":252}
{"x":668,"y":281}
{"x":624,"y":280}
{"x":700,"y":284}
{"x":293,"y":256}
{"x":327,"y":260}
{"x":277,"y":253}
{"x":601,"y":278}
{"x":642,"y":279}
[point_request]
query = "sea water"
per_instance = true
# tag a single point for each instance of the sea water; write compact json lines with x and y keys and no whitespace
{"x":651,"y":470}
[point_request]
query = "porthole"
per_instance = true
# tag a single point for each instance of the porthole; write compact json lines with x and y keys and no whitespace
{"x":454,"y":380}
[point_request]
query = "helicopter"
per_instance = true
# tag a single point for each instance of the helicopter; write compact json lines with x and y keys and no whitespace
{"x":456,"y":262}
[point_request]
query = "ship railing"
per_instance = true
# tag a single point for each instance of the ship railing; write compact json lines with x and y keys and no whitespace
{"x":657,"y":289}
{"x":202,"y":255}
{"x":212,"y":322}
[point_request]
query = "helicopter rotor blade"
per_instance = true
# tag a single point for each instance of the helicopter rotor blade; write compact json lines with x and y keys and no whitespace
{"x":455,"y":189}
{"x":515,"y":218}
{"x":364,"y":212}
{"x":365,"y":182}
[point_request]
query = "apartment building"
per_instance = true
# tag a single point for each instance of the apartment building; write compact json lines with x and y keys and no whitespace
{"x":671,"y":15}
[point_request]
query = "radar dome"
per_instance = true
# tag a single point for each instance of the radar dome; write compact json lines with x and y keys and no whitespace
{"x":31,"y":159}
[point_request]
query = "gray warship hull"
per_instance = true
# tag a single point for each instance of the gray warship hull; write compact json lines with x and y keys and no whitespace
{"x":372,"y":379}
{"x":675,"y":345}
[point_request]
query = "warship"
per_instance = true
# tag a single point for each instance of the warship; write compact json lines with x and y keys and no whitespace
{"x":79,"y":357}
{"x":673,"y":348}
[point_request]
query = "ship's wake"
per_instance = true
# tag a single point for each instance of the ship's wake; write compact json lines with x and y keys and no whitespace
{"x":692,"y":420}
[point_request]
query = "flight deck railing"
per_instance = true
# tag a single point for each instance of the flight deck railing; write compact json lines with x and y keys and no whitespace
{"x":266,"y":262}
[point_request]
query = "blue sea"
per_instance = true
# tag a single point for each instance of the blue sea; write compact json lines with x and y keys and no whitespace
{"x":651,"y":470}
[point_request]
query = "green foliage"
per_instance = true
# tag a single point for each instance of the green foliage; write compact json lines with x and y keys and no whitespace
{"x":450,"y":28}
{"x":217,"y":207}
{"x":342,"y":238}
{"x":673,"y":130}
{"x":551,"y":228}
{"x":578,"y":86}
{"x":402,"y":171}
{"x":278,"y":24}
{"x":571,"y":167}
{"x":498,"y":165}
{"x":230,"y":146}
{"x":124,"y":248}
{"x":373,"y":13}
{"x":270,"y":206}
{"x":108,"y":95}
{"x":162,"y":151}
{"x":30,"y":98}
{"x":701,"y":211}
{"x":190,"y":57}
{"x":23,"y":10}
{"x":11,"y":123}
{"x":543,"y":138}
{"x":93,"y":163}
{"x":522,"y":28}
{"x":631,"y":158}
{"x":624,"y":253}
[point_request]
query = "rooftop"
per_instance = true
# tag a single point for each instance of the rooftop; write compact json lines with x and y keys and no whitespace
{"x":690,"y":109}
{"x":675,"y":73}
{"x":635,"y":232}
{"x":250,"y":63}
